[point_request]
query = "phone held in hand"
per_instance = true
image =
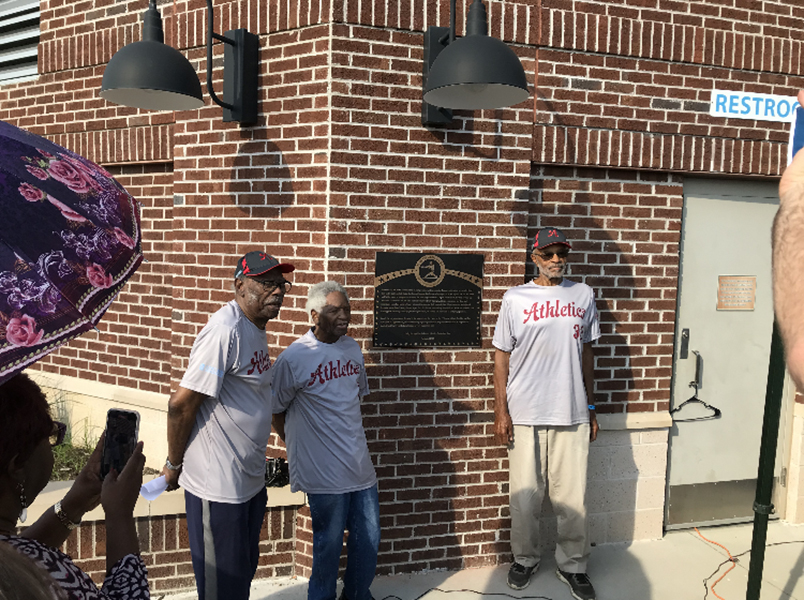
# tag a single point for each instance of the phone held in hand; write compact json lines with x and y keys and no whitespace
{"x":122,"y":428}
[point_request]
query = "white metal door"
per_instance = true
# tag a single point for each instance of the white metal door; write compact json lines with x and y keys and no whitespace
{"x":723,"y":334}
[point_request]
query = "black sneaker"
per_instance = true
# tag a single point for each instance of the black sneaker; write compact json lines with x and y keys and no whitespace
{"x":578,"y":583}
{"x":519,"y":575}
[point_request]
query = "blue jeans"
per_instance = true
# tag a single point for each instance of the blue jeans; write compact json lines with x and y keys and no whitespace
{"x":359,"y":512}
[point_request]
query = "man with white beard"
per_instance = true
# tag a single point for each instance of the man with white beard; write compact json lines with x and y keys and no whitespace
{"x":544,"y":410}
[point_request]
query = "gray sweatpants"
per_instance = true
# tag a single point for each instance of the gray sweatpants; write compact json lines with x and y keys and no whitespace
{"x":552,"y":459}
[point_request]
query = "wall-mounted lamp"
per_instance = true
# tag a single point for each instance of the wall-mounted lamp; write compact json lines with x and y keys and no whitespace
{"x":474,"y":72}
{"x":152,"y":75}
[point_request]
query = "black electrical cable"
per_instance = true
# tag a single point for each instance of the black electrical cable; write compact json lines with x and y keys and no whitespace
{"x":734,"y":560}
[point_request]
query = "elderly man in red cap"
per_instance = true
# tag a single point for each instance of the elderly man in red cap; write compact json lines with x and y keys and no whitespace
{"x":544,"y":410}
{"x":219,"y":422}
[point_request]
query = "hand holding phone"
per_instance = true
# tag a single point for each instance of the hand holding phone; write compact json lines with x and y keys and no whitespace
{"x":122,"y":428}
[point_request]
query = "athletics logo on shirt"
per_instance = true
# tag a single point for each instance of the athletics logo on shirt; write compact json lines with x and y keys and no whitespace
{"x":260,"y":361}
{"x":324,"y":373}
{"x":552,"y":309}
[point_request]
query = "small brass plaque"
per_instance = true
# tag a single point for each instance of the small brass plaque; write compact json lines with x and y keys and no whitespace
{"x":736,"y":292}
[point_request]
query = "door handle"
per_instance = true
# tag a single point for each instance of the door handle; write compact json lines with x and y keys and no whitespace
{"x":697,"y":383}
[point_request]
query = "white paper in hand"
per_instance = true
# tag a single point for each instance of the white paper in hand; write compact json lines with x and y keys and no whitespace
{"x":151,"y":490}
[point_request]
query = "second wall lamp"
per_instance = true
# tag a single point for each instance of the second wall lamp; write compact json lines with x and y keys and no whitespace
{"x":474,"y":72}
{"x":150,"y":74}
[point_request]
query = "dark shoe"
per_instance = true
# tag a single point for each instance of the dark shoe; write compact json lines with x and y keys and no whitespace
{"x":519,"y":575}
{"x":578,"y":583}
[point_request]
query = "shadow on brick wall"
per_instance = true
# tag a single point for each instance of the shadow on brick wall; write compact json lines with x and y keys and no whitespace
{"x":262,"y":182}
{"x":431,"y":512}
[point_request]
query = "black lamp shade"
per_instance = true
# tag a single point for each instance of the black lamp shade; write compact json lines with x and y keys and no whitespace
{"x":476,"y":72}
{"x":151,"y":75}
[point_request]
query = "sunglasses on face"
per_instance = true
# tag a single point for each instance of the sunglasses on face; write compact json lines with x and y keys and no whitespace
{"x":563,"y":254}
{"x":58,"y":433}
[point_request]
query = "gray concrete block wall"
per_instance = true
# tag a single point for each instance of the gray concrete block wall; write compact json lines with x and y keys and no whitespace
{"x":627,"y":480}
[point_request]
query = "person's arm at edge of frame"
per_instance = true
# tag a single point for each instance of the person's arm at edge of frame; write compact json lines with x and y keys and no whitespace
{"x":118,"y":497}
{"x":588,"y":367}
{"x":503,"y":427}
{"x":182,"y":408}
{"x":83,"y":496}
{"x":788,"y":258}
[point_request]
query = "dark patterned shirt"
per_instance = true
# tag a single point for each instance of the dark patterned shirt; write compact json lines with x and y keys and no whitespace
{"x":127,"y":580}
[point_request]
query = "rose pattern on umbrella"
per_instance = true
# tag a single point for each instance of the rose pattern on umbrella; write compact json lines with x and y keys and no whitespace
{"x":24,"y":293}
{"x":90,"y":169}
{"x":22,"y":331}
{"x":124,"y":238}
{"x":101,"y":200}
{"x":95,"y":247}
{"x":104,"y":209}
{"x":37,"y":172}
{"x":98,"y":277}
{"x":72,"y":172}
{"x":53,"y":266}
{"x":76,"y":180}
{"x":70,"y":239}
{"x":68,"y":213}
{"x":31,"y":193}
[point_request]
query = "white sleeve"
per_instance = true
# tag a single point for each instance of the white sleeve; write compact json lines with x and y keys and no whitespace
{"x":210,"y":359}
{"x":504,"y":338}
{"x":283,"y":384}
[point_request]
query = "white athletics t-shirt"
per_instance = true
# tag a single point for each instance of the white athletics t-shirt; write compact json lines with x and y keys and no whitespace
{"x":544,"y":328}
{"x":225,"y":456}
{"x":320,"y":386}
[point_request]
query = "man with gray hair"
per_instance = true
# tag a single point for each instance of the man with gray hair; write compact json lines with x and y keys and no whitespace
{"x":317,"y":386}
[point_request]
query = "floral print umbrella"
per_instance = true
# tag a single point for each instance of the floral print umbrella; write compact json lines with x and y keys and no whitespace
{"x":69,"y":240}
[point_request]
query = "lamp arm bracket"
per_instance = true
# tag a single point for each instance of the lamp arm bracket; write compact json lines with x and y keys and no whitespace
{"x":223,"y":38}
{"x":211,"y":34}
{"x":451,"y":21}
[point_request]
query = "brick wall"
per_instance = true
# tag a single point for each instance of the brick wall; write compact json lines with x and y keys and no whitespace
{"x":165,"y":549}
{"x":132,"y":346}
{"x":628,"y":84}
{"x":624,"y":227}
{"x":339,"y":168}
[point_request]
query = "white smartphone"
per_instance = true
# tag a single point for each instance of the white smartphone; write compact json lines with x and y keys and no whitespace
{"x":122,"y":429}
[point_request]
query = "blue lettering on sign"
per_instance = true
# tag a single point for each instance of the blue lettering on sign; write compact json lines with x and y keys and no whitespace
{"x":753,"y":106}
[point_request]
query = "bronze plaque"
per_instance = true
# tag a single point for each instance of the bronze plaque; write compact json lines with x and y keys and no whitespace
{"x":427,"y":299}
{"x":736,"y":292}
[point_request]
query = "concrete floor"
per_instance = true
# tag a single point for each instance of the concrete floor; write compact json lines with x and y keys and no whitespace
{"x":672,"y":568}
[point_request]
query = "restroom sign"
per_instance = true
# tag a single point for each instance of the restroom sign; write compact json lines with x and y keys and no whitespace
{"x":756,"y":107}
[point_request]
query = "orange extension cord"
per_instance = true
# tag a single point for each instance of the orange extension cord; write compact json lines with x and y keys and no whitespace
{"x":731,"y":559}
